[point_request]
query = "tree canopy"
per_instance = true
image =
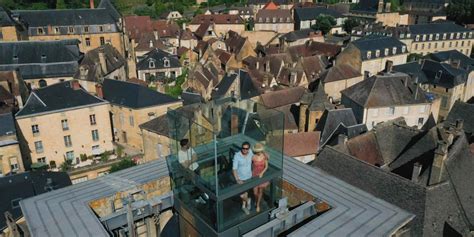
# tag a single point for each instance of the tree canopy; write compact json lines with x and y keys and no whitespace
{"x":349,"y":24}
{"x":324,"y":23}
{"x":123,"y":164}
{"x":461,"y":11}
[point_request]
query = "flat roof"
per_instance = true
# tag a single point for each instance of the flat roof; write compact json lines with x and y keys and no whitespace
{"x":66,"y":212}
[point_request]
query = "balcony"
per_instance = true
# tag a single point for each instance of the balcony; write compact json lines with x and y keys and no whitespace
{"x":207,"y":189}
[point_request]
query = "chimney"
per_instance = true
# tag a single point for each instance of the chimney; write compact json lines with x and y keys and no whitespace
{"x":75,"y":85}
{"x":303,"y":117}
{"x":268,"y":66}
{"x":416,"y":172}
{"x":234,"y":126}
{"x":380,"y":6}
{"x":82,"y":73}
{"x":388,"y":6}
{"x":389,"y":66}
{"x":341,"y":139}
{"x":103,"y":63}
{"x":437,"y":170}
{"x":184,"y":25}
{"x":91,"y":3}
{"x":43,"y":58}
{"x":459,"y":124}
{"x":405,"y":82}
{"x":456,"y":63}
{"x":151,"y":44}
{"x":257,"y":65}
{"x":155,"y":33}
{"x":99,"y":91}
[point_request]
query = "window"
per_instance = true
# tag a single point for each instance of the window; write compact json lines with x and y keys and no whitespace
{"x":39,"y":147}
{"x":422,"y":46}
{"x":41,"y":160}
{"x":67,"y":141}
{"x":40,"y":31}
{"x":451,"y":36}
{"x":79,"y":180}
{"x":15,"y":203}
{"x":394,"y":50}
{"x":35,"y":130}
{"x":437,"y":37}
{"x":121,"y":118}
{"x":88,"y":42}
{"x":431,"y":37}
{"x":456,"y":44}
{"x":458,"y":35}
{"x":102,"y":40}
{"x":417,"y":38}
{"x":442,"y":45}
{"x":70,"y":29}
{"x":86,"y":29}
{"x":424,"y":37}
{"x":450,"y":44}
{"x":64,"y":124}
{"x":151,"y":64}
{"x":131,"y":120}
{"x":416,"y":46}
{"x":166,"y":62}
{"x":70,"y":155}
{"x":369,"y":55}
{"x":435,"y":45}
{"x":95,"y":135}
{"x":429,"y":45}
{"x":444,"y":36}
{"x":101,"y":28}
{"x":56,"y":30}
{"x":14,"y":164}
{"x":92,"y":119}
{"x":386,"y":52}
{"x":404,"y":48}
{"x":462,"y":43}
{"x":96,"y":147}
{"x":420,"y":121}
{"x":391,"y":111}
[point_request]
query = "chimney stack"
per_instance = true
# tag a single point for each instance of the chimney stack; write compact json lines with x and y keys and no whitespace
{"x":437,"y":170}
{"x":416,"y":172}
{"x":75,"y":85}
{"x":155,"y":33}
{"x":151,"y":44}
{"x":388,"y":6}
{"x":99,"y":91}
{"x":91,"y":3}
{"x":456,"y":63}
{"x":459,"y":124}
{"x":380,"y":6}
{"x":103,"y":63}
{"x":341,"y":139}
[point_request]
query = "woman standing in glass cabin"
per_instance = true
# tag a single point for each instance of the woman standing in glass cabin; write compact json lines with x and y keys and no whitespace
{"x":259,"y":167}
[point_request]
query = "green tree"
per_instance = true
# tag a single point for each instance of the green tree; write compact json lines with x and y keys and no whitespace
{"x":349,"y":24}
{"x":324,"y":23}
{"x":394,"y":5}
{"x":461,"y":11}
{"x":123,"y":164}
{"x":60,"y":4}
{"x":66,"y":165}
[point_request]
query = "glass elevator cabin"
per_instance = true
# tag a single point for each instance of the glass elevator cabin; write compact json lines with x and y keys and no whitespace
{"x":206,"y":194}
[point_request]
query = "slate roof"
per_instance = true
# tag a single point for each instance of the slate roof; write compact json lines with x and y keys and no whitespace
{"x":384,"y":91}
{"x":273,"y":16}
{"x":436,"y":27}
{"x":60,"y":96}
{"x":21,"y":186}
{"x":132,"y":95}
{"x":7,"y":125}
{"x":40,"y":59}
{"x":91,"y":63}
{"x":224,"y":85}
{"x":263,"y":2}
{"x":312,"y":48}
{"x":310,"y":13}
{"x":378,"y":42}
{"x":464,"y":111}
{"x":331,"y":119}
{"x":466,"y":63}
{"x":158,"y":56}
{"x":248,"y":89}
{"x":297,"y":35}
{"x":339,"y":72}
{"x":189,"y":97}
{"x":5,"y":17}
{"x":67,"y":17}
{"x":234,"y":42}
{"x":217,"y":19}
{"x":428,"y":73}
{"x":157,"y":125}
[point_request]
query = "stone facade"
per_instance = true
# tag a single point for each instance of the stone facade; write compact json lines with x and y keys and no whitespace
{"x":334,"y":88}
{"x":10,"y":157}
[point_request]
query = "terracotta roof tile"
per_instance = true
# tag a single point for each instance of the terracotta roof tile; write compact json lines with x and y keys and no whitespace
{"x":300,"y":144}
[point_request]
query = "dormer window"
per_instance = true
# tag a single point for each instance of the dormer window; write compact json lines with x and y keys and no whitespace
{"x":166,"y":62}
{"x":86,"y":29}
{"x":451,"y":36}
{"x":15,"y":59}
{"x":431,"y":37}
{"x":70,"y":29}
{"x":377,"y":53}
{"x":386,"y":52}
{"x":458,"y":35}
{"x":404,"y":48}
{"x":437,"y":37}
{"x":417,"y":38}
{"x":151,"y":64}
{"x":56,"y":30}
{"x":470,"y":34}
{"x":463,"y":35}
{"x":424,"y":37}
{"x":274,"y":19}
{"x":40,"y":31}
{"x":369,"y":55}
{"x":101,"y":28}
{"x":444,"y":36}
{"x":394,"y":50}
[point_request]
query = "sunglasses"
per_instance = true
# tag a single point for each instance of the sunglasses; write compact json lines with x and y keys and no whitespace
{"x":245,"y":148}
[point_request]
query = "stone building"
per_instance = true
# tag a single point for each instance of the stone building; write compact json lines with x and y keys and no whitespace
{"x":132,"y":105}
{"x":221,"y":23}
{"x":63,"y":121}
{"x":92,"y":27}
{"x":11,"y":28}
{"x":11,"y":160}
{"x":371,"y":54}
{"x":158,"y":65}
{"x":277,"y":20}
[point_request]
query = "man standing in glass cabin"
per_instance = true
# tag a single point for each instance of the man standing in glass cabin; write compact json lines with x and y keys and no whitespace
{"x":242,"y":170}
{"x":187,"y":156}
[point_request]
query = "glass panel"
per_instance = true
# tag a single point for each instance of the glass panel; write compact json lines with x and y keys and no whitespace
{"x":206,"y":148}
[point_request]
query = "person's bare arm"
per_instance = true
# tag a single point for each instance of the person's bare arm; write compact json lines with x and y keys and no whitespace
{"x":266,"y":166}
{"x":236,"y":176}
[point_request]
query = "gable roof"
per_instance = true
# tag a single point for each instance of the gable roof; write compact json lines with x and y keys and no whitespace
{"x":60,"y":96}
{"x":7,"y":125}
{"x":40,"y":59}
{"x":435,"y":73}
{"x":331,"y":119}
{"x":157,"y":125}
{"x":339,"y":72}
{"x":385,"y":91}
{"x":301,"y":144}
{"x":274,"y":16}
{"x":451,"y":56}
{"x":91,"y":63}
{"x":282,"y":97}
{"x":158,"y":56}
{"x":224,"y":85}
{"x":436,"y":27}
{"x":217,"y":19}
{"x":464,"y":111}
{"x":132,"y":95}
{"x":295,"y":35}
{"x":310,"y":13}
